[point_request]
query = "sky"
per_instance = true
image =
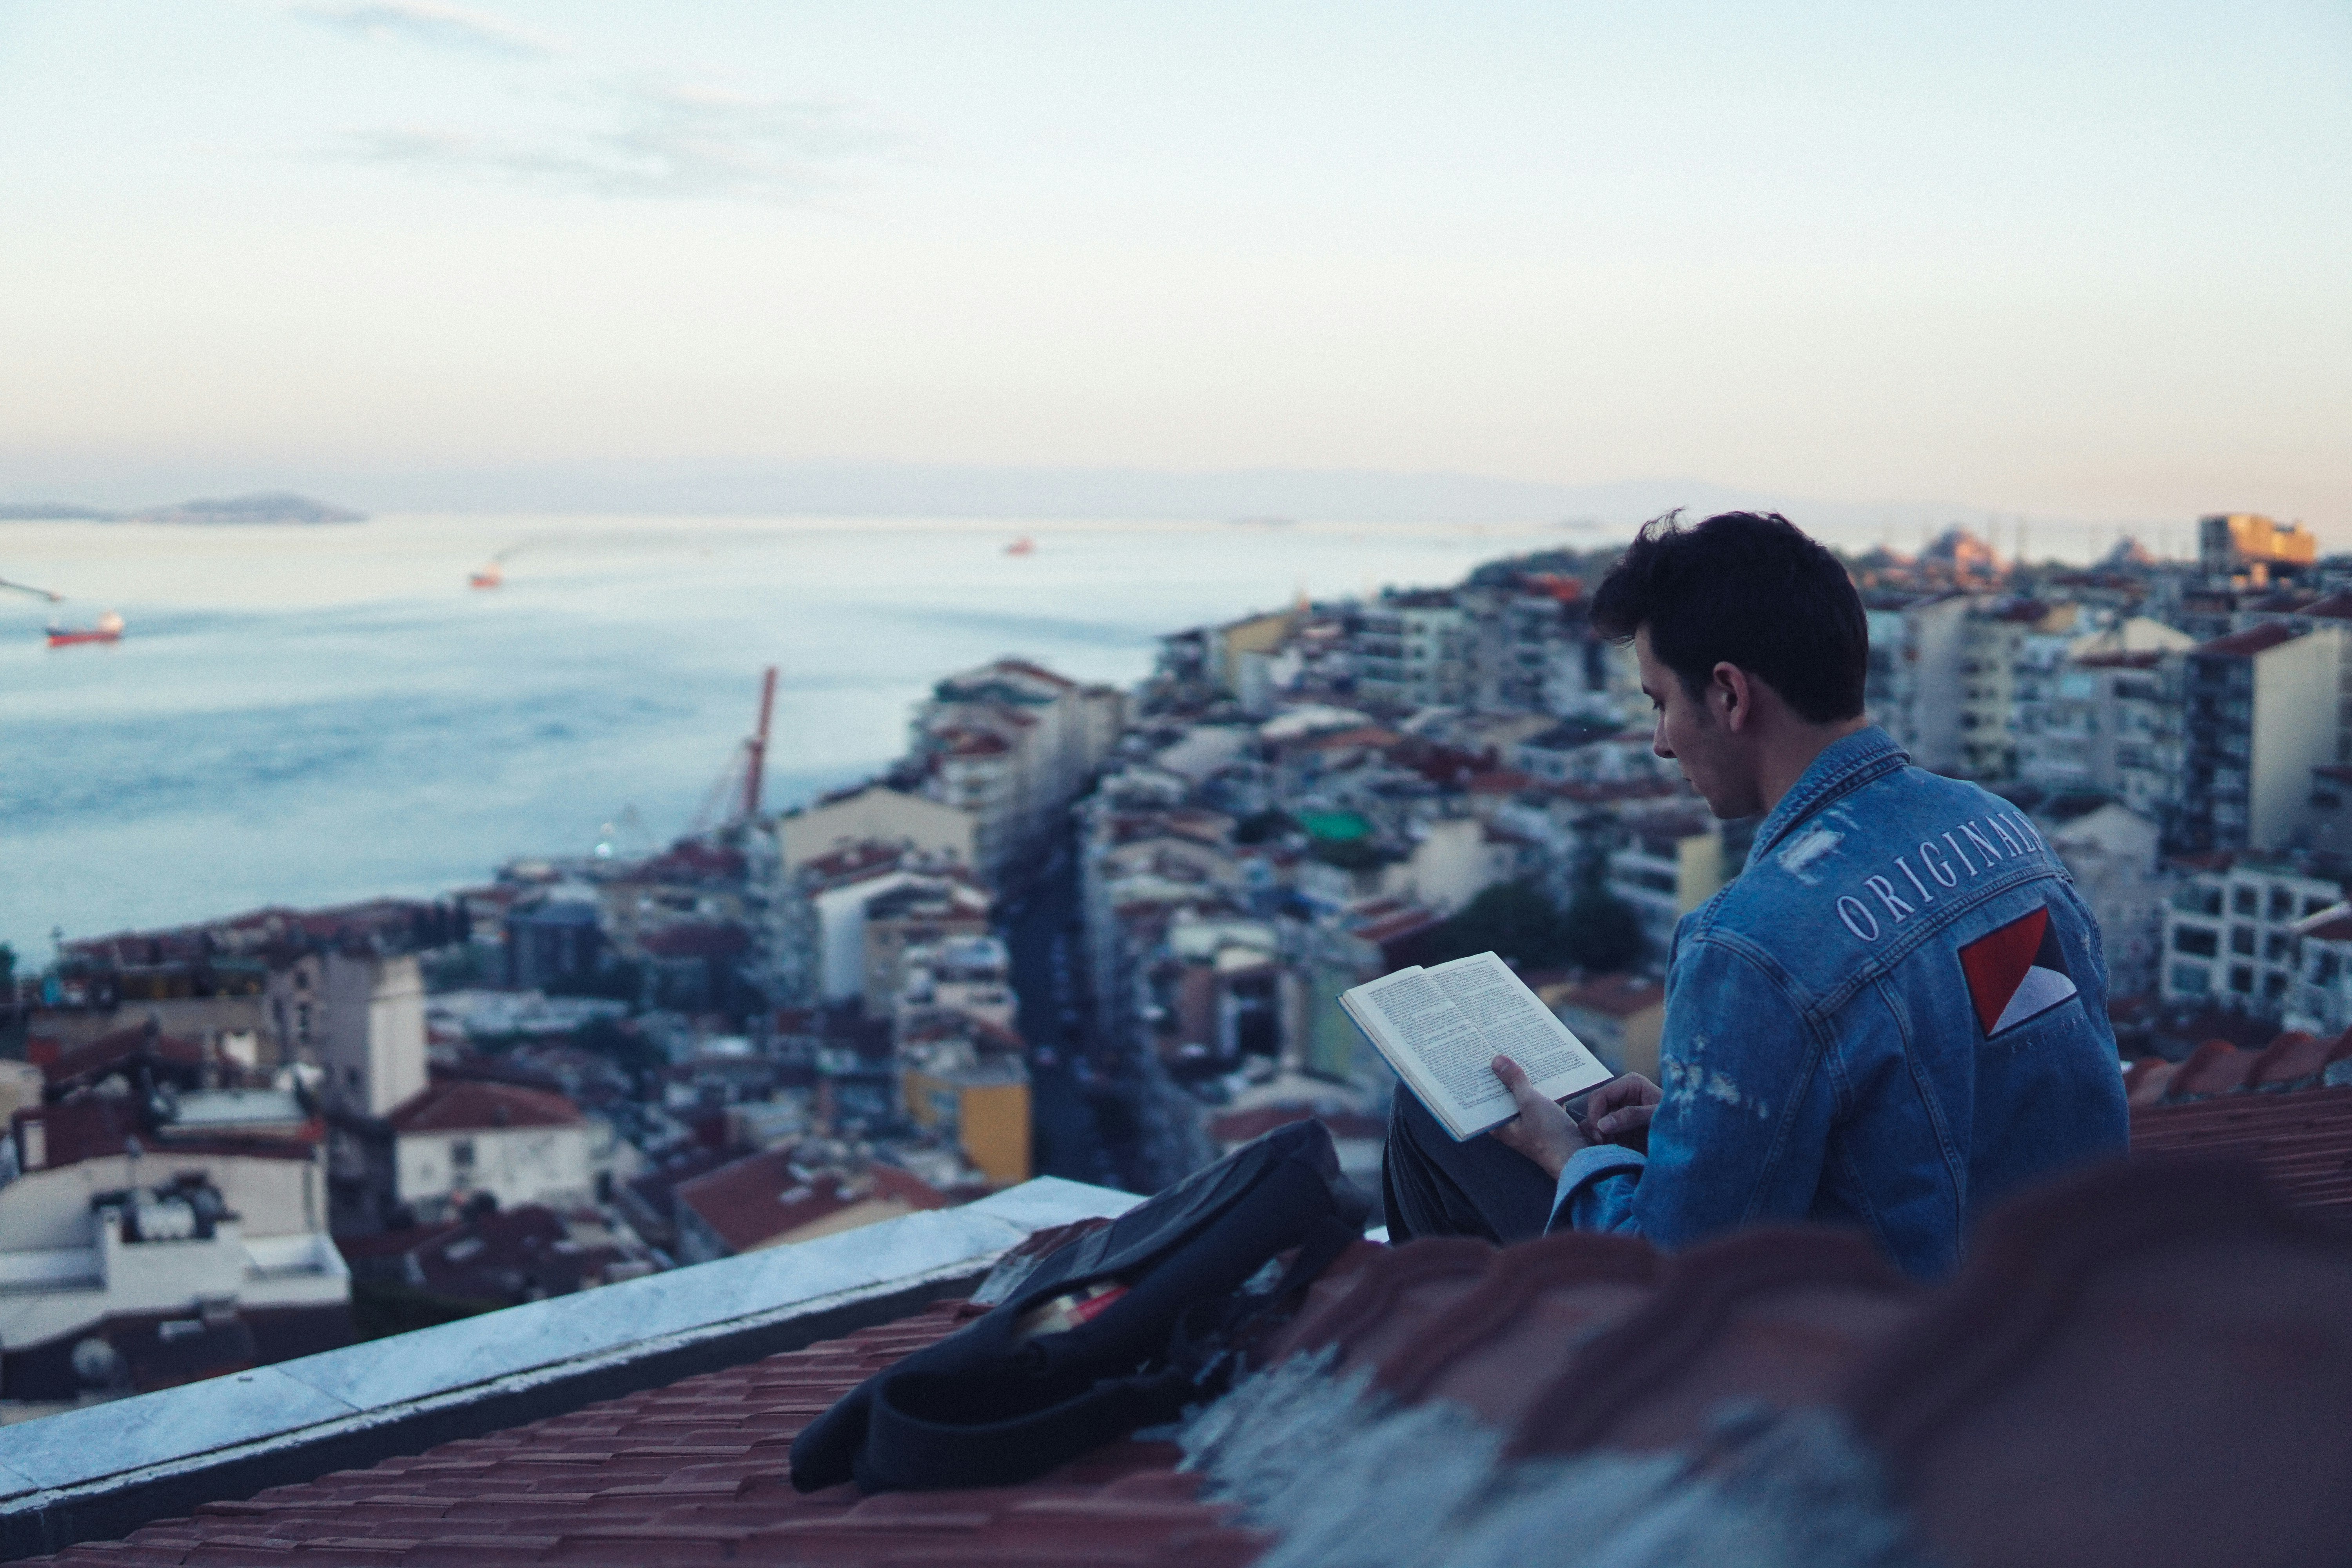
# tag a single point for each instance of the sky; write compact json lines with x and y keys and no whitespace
{"x":2047,"y":258}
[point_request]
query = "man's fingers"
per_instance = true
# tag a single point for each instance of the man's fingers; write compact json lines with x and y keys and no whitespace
{"x":1623,"y":1120}
{"x":1515,"y":1079}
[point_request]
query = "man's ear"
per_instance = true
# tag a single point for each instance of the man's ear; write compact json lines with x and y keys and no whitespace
{"x":1733,"y":694}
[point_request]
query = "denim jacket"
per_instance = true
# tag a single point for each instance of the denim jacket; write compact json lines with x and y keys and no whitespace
{"x":1894,"y":1016}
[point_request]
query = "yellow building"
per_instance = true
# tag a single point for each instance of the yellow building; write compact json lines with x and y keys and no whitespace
{"x":984,"y":1105}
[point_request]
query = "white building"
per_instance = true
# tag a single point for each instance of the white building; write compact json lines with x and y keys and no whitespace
{"x":2113,"y":854}
{"x":2321,"y":1000}
{"x":461,"y":1137}
{"x":1412,"y":650}
{"x":1013,"y":744}
{"x":1916,"y":688}
{"x":133,"y":1255}
{"x":873,"y":814}
{"x":373,"y":1047}
{"x":1453,"y":861}
{"x":2261,"y":713}
{"x":1999,"y":642}
{"x":2233,"y":933}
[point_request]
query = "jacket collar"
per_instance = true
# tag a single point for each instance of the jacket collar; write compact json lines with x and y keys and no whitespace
{"x":1844,"y":765}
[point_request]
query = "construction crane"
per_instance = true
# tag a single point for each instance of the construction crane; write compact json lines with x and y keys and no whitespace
{"x":37,"y":593}
{"x":742,"y":781}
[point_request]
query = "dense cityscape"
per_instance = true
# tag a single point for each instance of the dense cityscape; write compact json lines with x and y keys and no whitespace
{"x":1101,"y":934}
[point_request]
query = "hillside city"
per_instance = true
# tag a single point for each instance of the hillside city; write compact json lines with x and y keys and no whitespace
{"x":1099,"y":933}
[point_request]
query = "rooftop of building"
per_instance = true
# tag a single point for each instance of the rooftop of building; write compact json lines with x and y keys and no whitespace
{"x":1775,"y":1397}
{"x":753,"y":1201}
{"x":98,"y":1127}
{"x":473,"y":1105}
{"x":2246,"y":644}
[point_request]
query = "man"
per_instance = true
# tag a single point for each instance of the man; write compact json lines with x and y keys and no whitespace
{"x":1894,"y":1016}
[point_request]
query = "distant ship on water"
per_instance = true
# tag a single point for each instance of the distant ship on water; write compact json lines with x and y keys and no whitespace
{"x":109,"y":629}
{"x":1025,"y":545}
{"x":489,"y":577}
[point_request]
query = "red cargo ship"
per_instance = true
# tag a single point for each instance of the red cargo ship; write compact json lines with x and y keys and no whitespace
{"x":108,"y":629}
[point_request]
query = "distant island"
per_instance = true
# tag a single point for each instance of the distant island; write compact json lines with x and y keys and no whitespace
{"x":268,"y":506}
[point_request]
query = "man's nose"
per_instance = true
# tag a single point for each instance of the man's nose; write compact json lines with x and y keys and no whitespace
{"x":1658,"y":738}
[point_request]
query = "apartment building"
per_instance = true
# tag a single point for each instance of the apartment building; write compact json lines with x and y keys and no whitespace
{"x":2261,"y":710}
{"x":2112,"y":852}
{"x":1669,"y":866}
{"x":1412,"y":650}
{"x":138,"y":1250}
{"x":873,"y":814}
{"x":2246,"y":550}
{"x":1013,"y":743}
{"x":2233,"y":931}
{"x":1917,"y":646}
{"x":2008,"y":656}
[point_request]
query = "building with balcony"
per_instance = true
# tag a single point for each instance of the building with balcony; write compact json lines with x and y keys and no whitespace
{"x":2261,"y":714}
{"x":1668,"y":865}
{"x":1013,"y":744}
{"x":1915,"y":690}
{"x":1412,"y":650}
{"x":2233,"y":931}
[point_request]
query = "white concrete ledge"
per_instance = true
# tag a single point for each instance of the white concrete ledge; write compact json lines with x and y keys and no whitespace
{"x":106,"y":1469}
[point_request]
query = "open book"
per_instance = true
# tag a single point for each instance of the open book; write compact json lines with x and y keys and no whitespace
{"x":1441,"y":1028}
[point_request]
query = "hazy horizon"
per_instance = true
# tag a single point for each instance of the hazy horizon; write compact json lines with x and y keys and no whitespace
{"x":2048,"y":260}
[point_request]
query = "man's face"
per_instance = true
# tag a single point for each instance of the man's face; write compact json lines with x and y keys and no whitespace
{"x":1692,"y":732}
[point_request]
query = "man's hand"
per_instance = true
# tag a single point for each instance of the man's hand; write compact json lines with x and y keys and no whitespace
{"x":1542,"y":1130}
{"x":1618,"y":1111}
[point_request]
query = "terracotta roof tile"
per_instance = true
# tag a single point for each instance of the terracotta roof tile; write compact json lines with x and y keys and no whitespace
{"x":99,"y":1126}
{"x":2145,"y":1364}
{"x":470,"y":1105}
{"x":756,"y":1200}
{"x":2247,"y":643}
{"x":696,"y":1472}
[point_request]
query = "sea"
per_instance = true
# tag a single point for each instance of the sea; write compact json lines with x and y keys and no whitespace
{"x":309,"y":714}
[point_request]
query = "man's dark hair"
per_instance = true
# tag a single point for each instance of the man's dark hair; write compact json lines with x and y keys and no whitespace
{"x":1748,"y":589}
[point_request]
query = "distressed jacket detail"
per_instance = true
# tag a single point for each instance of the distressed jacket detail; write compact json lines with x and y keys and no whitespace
{"x":1871,"y":1025}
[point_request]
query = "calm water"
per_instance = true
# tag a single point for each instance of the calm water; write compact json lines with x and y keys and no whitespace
{"x":304,"y":715}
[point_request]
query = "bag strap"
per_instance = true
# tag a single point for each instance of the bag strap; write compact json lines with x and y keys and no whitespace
{"x":1210,"y":1356}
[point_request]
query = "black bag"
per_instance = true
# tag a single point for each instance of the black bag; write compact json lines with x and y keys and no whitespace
{"x":999,"y":1402}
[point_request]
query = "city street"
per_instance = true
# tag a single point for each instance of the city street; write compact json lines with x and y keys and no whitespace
{"x":1082,"y":1127}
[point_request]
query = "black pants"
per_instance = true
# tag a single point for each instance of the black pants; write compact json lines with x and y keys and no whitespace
{"x":1433,"y":1187}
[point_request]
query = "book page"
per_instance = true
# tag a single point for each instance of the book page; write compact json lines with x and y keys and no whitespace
{"x":1516,"y":1024}
{"x":1455,"y":1074}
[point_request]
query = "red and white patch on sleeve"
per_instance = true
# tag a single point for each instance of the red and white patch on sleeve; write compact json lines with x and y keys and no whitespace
{"x":2016,"y":973}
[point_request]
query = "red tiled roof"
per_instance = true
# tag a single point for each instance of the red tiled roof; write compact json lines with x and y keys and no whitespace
{"x":755,"y":1200}
{"x":696,"y":1472}
{"x":2274,"y":1107}
{"x":512,"y":1255}
{"x":1500,"y":781}
{"x":1036,"y":671}
{"x":97,"y":1126}
{"x":2302,"y":1142}
{"x":2247,"y":643}
{"x":696,"y":938}
{"x":2167,"y":1323}
{"x":2336,"y":606}
{"x":2292,"y":1060}
{"x":119,"y":1046}
{"x":467,"y":1105}
{"x":1365,"y":735}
